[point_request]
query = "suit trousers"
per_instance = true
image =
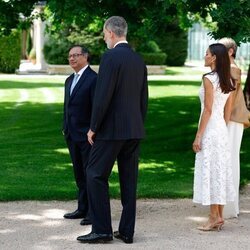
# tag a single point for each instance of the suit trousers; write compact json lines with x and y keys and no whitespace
{"x":79,"y":153}
{"x":103,"y":155}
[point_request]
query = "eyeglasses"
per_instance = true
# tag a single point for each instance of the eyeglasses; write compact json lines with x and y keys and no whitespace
{"x":74,"y":56}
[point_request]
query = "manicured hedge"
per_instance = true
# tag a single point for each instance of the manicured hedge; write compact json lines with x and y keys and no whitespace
{"x":154,"y":58}
{"x":173,"y":41}
{"x":10,"y":52}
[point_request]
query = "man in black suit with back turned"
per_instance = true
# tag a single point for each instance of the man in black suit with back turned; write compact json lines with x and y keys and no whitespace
{"x":78,"y":99}
{"x":117,"y":126}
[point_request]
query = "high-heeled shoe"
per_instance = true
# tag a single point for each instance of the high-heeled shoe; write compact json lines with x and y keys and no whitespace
{"x":211,"y":226}
{"x":219,"y":225}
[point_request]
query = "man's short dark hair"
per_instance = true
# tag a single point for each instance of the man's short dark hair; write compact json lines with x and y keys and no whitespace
{"x":84,"y":50}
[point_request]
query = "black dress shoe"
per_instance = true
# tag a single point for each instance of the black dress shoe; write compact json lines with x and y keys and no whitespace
{"x":74,"y":215}
{"x":85,"y":221}
{"x":124,"y":238}
{"x":95,"y":238}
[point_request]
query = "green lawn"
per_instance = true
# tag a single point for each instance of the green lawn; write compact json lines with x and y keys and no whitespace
{"x":34,"y":161}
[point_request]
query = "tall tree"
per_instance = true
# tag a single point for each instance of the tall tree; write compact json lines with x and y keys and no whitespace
{"x":227,"y":17}
{"x":223,"y":17}
{"x":145,"y":17}
{"x":15,"y":13}
{"x":148,"y":21}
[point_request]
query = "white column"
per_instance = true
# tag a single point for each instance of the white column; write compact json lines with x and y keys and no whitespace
{"x":39,"y":27}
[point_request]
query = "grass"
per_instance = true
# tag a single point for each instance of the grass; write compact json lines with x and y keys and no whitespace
{"x":34,"y":161}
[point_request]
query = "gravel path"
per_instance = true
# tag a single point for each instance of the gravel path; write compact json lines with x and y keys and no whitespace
{"x":161,"y":224}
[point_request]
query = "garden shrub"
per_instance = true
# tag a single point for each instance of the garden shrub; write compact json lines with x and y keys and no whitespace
{"x":56,"y":51}
{"x":151,"y":53}
{"x":10,"y":52}
{"x":154,"y":58}
{"x":173,"y":41}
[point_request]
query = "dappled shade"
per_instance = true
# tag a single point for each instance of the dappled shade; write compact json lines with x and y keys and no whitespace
{"x":35,"y":163}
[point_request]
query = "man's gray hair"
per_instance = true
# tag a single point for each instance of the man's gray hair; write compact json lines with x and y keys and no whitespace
{"x":117,"y":24}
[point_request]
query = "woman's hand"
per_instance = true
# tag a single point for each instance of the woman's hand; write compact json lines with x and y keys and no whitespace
{"x":197,"y":144}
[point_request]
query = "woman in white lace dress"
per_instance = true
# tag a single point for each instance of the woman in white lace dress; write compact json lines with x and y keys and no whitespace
{"x":213,"y":184}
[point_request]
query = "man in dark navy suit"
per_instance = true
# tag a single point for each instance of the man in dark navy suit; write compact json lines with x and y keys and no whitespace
{"x":117,"y":126}
{"x":78,"y":99}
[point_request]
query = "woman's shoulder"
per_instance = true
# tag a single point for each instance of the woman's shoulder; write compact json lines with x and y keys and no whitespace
{"x":212,"y":77}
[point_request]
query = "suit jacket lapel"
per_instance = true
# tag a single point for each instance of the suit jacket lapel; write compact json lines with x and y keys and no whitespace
{"x":79,"y":83}
{"x":67,"y":91}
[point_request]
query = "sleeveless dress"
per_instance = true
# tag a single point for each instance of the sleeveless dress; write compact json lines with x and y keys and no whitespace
{"x":213,"y":182}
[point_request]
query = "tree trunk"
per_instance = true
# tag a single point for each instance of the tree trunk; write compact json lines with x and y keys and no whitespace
{"x":246,"y":89}
{"x":24,"y":44}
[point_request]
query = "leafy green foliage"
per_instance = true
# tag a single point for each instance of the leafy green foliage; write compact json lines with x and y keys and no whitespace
{"x":173,"y":41}
{"x":86,"y":29}
{"x":11,"y":11}
{"x":90,"y":37}
{"x":154,"y":58}
{"x":144,"y":18}
{"x":10,"y":52}
{"x":231,"y":17}
{"x":56,"y":50}
{"x":152,"y":54}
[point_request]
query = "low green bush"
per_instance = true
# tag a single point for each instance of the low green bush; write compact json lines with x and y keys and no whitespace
{"x":56,"y":51}
{"x":10,"y":52}
{"x":154,"y":58}
{"x":173,"y":41}
{"x":58,"y":44}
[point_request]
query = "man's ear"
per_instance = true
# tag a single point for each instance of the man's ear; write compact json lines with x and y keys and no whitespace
{"x":112,"y":34}
{"x":230,"y":52}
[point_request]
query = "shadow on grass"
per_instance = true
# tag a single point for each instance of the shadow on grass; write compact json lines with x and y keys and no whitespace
{"x":31,"y":165}
{"x":174,"y":82}
{"x":35,"y":164}
{"x":28,"y":85}
{"x":166,"y":151}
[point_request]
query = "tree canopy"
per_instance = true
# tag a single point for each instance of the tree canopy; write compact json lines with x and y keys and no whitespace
{"x":145,"y":17}
{"x":14,"y":14}
{"x":227,"y":18}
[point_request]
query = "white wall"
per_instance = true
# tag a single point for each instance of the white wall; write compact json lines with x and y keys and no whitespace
{"x":199,"y":40}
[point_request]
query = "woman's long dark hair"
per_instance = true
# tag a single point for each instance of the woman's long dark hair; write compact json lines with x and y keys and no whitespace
{"x":222,"y":66}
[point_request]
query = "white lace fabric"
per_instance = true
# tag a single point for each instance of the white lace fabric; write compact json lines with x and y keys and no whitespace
{"x":213,"y":183}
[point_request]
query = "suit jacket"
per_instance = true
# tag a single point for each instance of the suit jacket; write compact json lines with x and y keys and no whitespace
{"x":78,"y":105}
{"x":121,"y":95}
